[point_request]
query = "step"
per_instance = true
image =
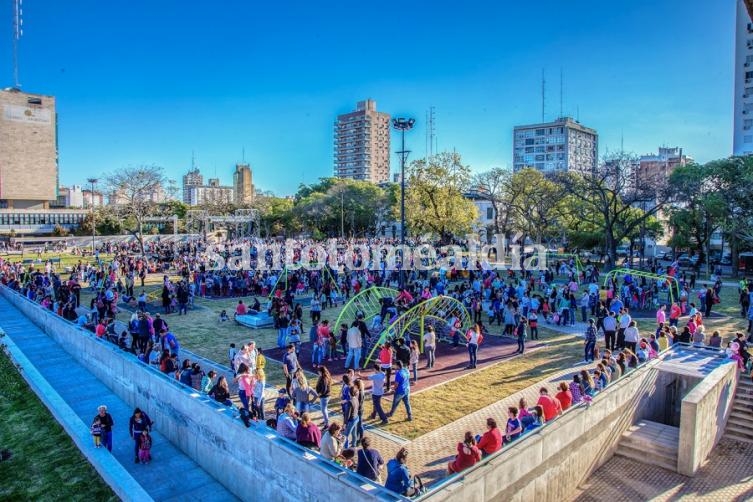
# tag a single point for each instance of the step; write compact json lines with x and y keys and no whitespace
{"x":730,"y":434}
{"x":742,"y":407}
{"x":739,"y":432}
{"x":640,"y":455}
{"x":741,"y":421}
{"x":744,"y":398}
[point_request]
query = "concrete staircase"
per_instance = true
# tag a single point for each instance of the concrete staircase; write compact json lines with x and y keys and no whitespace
{"x":740,"y":423}
{"x":651,"y":443}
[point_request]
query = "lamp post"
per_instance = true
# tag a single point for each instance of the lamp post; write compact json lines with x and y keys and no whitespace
{"x":402,"y":124}
{"x":93,"y":182}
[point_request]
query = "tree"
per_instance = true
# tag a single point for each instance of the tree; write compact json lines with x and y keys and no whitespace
{"x":434,"y":196}
{"x":276,"y":215}
{"x":133,"y":193}
{"x":535,"y":204}
{"x":492,"y":186}
{"x":609,"y":194}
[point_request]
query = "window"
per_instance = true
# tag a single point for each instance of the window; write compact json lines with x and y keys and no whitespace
{"x":489,"y":213}
{"x":529,"y":141}
{"x":34,"y":101}
{"x":748,"y":139}
{"x":540,"y":132}
{"x":748,"y":75}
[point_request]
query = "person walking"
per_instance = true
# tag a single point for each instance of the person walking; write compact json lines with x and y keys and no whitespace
{"x":323,"y":390}
{"x":354,"y":347}
{"x":106,"y":424}
{"x":590,"y":341}
{"x":402,"y":391}
{"x":377,"y":392}
{"x":430,"y":346}
{"x":474,"y":337}
{"x":138,"y":423}
{"x":520,"y":332}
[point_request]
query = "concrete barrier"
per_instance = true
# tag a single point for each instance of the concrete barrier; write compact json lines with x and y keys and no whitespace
{"x":254,"y":464}
{"x":548,"y":465}
{"x":114,"y":474}
{"x":705,"y":411}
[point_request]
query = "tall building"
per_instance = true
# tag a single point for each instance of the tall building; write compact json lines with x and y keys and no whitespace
{"x":243,"y":184}
{"x":562,"y":145}
{"x":742,"y":143}
{"x":659,"y":166}
{"x":192,"y":178}
{"x":362,"y":144}
{"x":28,"y":150}
{"x":212,"y":193}
{"x":73,"y":196}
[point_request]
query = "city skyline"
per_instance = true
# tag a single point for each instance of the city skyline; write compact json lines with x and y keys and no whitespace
{"x":274,"y":91}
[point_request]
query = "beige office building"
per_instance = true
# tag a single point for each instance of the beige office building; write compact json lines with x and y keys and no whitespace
{"x":243,"y":184}
{"x":28,"y":150}
{"x":362,"y":144}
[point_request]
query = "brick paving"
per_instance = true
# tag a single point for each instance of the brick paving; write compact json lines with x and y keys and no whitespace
{"x":726,"y":477}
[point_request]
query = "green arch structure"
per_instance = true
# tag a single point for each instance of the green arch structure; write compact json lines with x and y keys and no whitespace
{"x":366,"y":302}
{"x":437,"y":309}
{"x":648,"y":275}
{"x":561,"y":256}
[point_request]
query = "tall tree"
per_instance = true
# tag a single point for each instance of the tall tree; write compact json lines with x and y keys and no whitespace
{"x":435,"y":201}
{"x":492,"y":186}
{"x":134,"y":193}
{"x":610,"y":193}
{"x":535,"y":203}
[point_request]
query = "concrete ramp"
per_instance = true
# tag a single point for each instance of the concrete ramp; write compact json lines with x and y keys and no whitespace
{"x":172,"y":475}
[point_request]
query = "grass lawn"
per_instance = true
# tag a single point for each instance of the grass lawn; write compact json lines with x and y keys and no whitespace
{"x":45,"y":465}
{"x":464,"y":395}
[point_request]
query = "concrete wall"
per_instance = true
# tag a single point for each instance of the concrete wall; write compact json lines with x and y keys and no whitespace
{"x":254,"y":464}
{"x":704,"y":415}
{"x":550,"y":464}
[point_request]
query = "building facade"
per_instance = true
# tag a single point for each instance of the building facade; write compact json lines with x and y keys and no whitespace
{"x":658,"y":167}
{"x":742,"y":143}
{"x":39,"y":221}
{"x":28,"y":150}
{"x":562,"y":145}
{"x":212,"y":193}
{"x":362,"y":144}
{"x":192,"y":178}
{"x":243,"y":184}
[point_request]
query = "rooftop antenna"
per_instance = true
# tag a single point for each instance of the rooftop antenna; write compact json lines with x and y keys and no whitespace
{"x":622,"y":141}
{"x":17,"y":33}
{"x":577,"y":113}
{"x":243,"y":155}
{"x":562,"y":113}
{"x":193,"y":160}
{"x":543,"y":96}
{"x":430,"y":131}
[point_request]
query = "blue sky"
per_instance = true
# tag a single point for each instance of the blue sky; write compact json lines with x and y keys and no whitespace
{"x":149,"y":82}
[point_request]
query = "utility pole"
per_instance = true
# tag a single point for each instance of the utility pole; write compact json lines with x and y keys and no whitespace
{"x":402,"y":125}
{"x":17,"y":33}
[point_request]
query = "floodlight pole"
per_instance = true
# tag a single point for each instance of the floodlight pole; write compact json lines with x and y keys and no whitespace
{"x":402,"y":125}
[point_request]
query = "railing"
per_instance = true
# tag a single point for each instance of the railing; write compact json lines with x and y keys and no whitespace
{"x":345,"y":475}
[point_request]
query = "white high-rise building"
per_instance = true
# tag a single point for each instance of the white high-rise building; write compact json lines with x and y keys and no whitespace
{"x":742,"y":143}
{"x":562,"y":145}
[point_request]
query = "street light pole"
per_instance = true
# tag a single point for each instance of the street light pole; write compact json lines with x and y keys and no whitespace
{"x":93,"y":182}
{"x":402,"y":125}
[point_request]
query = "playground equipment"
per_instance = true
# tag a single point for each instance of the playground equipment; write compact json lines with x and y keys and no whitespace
{"x":243,"y":222}
{"x":366,"y":303}
{"x":551,"y":257}
{"x":672,"y":284}
{"x":326,"y":276}
{"x":440,"y":311}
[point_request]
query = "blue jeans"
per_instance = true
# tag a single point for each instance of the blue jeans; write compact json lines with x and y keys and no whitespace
{"x":355,"y":354}
{"x":282,"y":335}
{"x":472,"y":351}
{"x":590,"y":346}
{"x":377,"y":402}
{"x":351,"y":432}
{"x":244,"y":398}
{"x":414,"y":369}
{"x":405,"y":398}
{"x":317,"y":354}
{"x":324,"y":402}
{"x":302,"y":407}
{"x":521,"y":344}
{"x":107,"y":440}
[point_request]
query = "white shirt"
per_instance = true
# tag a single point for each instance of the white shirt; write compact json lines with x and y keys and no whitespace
{"x":625,"y":321}
{"x":377,"y":383}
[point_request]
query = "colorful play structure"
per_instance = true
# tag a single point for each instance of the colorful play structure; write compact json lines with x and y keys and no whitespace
{"x":667,"y":282}
{"x":444,"y":313}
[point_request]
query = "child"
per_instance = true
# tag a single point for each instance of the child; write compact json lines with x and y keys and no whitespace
{"x":145,"y":447}
{"x":533,"y":324}
{"x":96,"y":431}
{"x":223,"y":316}
{"x":231,"y":353}
{"x":258,"y":404}
{"x":281,"y":402}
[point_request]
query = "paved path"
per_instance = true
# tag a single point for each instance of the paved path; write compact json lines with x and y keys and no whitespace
{"x":727,"y":476}
{"x":171,"y":476}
